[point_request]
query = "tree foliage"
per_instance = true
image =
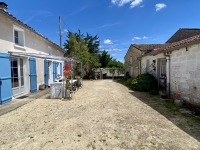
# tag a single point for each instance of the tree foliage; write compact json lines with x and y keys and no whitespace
{"x":86,"y":49}
{"x":77,"y":47}
{"x":104,"y":58}
{"x":144,"y":83}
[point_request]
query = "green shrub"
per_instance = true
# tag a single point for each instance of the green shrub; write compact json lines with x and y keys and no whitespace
{"x":145,"y":83}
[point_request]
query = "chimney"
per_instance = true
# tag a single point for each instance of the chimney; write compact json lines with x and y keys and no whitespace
{"x":3,"y":6}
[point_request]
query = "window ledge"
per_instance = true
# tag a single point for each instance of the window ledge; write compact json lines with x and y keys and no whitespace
{"x":20,"y":47}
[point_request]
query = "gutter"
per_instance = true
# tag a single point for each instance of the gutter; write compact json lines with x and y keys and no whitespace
{"x":168,"y":74}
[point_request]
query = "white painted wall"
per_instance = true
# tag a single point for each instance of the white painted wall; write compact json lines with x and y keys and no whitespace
{"x":149,"y":69}
{"x":185,"y":73}
{"x":33,"y":44}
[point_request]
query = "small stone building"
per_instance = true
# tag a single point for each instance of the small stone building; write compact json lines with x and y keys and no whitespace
{"x":132,"y":58}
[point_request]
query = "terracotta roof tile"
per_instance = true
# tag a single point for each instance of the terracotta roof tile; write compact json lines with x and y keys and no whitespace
{"x":176,"y":44}
{"x":146,"y":48}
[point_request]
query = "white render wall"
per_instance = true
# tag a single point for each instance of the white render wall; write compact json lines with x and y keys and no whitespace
{"x":150,"y":68}
{"x":185,"y":73}
{"x":33,"y":44}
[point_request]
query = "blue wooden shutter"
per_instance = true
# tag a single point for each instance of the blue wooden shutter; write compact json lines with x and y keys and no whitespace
{"x":5,"y":78}
{"x":46,"y":73}
{"x":61,"y":69}
{"x":54,"y":71}
{"x":33,"y":75}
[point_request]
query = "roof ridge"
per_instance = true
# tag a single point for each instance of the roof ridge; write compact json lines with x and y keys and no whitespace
{"x":176,"y":44}
{"x":189,"y":28}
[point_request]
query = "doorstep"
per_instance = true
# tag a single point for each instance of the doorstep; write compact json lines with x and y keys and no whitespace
{"x":18,"y":102}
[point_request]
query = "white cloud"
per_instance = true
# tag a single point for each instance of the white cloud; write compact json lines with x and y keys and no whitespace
{"x":65,"y":30}
{"x":142,"y":6}
{"x":144,"y":37}
{"x":136,"y":3}
{"x":104,"y":26}
{"x":122,"y":2}
{"x":137,"y":38}
{"x":114,"y":1}
{"x":107,"y":41}
{"x":133,"y":39}
{"x":160,"y":6}
{"x":115,"y":49}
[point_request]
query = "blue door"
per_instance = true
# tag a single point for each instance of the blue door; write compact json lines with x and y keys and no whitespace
{"x":54,"y":71}
{"x":5,"y":79}
{"x":46,"y":73}
{"x":33,"y":75}
{"x":61,"y":69}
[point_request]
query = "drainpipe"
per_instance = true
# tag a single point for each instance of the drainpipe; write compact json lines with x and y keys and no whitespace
{"x":139,"y":67}
{"x":168,"y":74}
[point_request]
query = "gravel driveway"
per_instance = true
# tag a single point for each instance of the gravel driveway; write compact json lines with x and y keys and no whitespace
{"x":103,"y":115}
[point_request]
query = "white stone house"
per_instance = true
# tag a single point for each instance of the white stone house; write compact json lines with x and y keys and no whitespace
{"x":24,"y":63}
{"x":179,"y":64}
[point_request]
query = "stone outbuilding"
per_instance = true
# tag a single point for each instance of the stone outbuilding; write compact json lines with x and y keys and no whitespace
{"x":132,"y":58}
{"x":178,"y":65}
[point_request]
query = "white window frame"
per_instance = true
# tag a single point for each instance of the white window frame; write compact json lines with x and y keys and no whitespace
{"x":49,"y":50}
{"x":21,"y":40}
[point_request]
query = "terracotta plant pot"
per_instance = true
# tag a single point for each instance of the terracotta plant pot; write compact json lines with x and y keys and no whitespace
{"x":41,"y":87}
{"x":171,"y":100}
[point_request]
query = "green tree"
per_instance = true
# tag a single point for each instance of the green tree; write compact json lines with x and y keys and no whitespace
{"x":104,"y":58}
{"x":115,"y":63}
{"x":92,"y":43}
{"x":77,"y":47}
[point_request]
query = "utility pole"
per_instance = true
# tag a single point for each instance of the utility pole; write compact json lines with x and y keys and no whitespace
{"x":60,"y":27}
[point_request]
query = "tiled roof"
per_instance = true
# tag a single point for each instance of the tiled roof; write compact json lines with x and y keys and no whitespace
{"x":183,"y":33}
{"x":171,"y":46}
{"x":8,"y":15}
{"x":146,"y":48}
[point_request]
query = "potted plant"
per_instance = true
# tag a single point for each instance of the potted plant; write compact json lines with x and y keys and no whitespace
{"x":67,"y":74}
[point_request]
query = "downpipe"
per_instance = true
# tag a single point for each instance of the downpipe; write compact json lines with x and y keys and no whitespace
{"x":168,"y":74}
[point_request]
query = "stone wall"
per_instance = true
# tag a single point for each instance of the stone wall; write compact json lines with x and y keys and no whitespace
{"x":134,"y":53}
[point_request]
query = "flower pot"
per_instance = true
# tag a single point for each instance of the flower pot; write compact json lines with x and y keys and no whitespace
{"x":171,"y":100}
{"x":41,"y":87}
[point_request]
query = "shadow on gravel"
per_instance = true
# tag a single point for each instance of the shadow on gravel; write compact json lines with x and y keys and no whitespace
{"x":178,"y":116}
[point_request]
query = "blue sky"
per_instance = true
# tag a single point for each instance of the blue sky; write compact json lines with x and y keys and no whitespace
{"x":118,"y":23}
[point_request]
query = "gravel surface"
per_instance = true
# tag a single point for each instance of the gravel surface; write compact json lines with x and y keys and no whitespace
{"x":103,"y":115}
